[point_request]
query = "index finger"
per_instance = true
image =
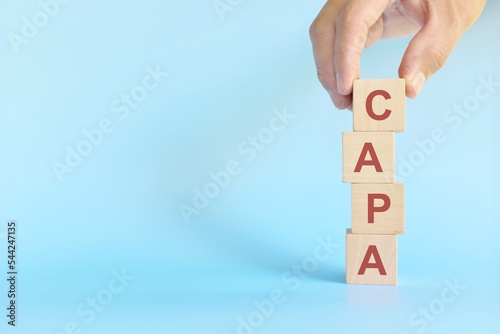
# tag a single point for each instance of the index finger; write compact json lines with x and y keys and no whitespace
{"x":351,"y":32}
{"x":322,"y":34}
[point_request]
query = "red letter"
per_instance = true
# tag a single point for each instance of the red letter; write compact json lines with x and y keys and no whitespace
{"x":371,"y":205}
{"x":368,"y":148}
{"x":372,"y":249}
{"x":369,"y":105}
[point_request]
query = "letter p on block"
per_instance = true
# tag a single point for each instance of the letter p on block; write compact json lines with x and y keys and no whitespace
{"x":377,"y":208}
{"x":379,"y":105}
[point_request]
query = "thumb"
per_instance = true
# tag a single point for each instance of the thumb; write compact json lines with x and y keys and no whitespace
{"x":426,"y":53}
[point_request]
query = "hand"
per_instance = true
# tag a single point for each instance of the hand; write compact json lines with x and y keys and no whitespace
{"x":344,"y":27}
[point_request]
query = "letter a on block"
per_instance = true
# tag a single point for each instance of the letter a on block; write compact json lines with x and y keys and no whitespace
{"x":379,"y":105}
{"x":372,"y":251}
{"x":371,"y":259}
{"x":363,"y":161}
{"x":368,"y":157}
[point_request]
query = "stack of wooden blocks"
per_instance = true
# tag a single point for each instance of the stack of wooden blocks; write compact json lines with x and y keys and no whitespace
{"x":368,"y":157}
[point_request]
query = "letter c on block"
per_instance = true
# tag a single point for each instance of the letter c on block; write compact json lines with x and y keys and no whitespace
{"x":369,"y":105}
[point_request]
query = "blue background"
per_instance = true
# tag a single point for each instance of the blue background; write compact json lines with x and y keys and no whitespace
{"x":119,"y":208}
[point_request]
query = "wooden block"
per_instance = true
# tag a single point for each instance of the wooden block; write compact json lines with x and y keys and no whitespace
{"x":371,"y":259}
{"x":368,"y":157}
{"x":379,"y":105}
{"x":378,"y":208}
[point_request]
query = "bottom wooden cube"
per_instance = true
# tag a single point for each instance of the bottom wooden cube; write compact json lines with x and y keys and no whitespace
{"x":371,"y":259}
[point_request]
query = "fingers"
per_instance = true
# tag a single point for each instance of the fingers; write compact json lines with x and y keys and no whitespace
{"x":375,"y":32}
{"x":432,"y":45}
{"x":352,"y":26}
{"x":345,"y":27}
{"x":427,"y":53}
{"x":322,"y":34}
{"x":423,"y":58}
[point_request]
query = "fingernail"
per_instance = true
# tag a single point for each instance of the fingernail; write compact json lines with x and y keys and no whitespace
{"x":335,"y":98}
{"x":418,"y":82}
{"x":340,"y":85}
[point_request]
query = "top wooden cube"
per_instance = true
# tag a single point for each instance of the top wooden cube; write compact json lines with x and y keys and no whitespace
{"x":379,"y":105}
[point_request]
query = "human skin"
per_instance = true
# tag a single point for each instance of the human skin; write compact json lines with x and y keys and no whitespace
{"x":343,"y":28}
